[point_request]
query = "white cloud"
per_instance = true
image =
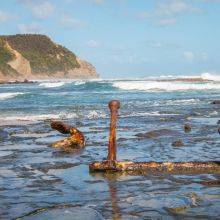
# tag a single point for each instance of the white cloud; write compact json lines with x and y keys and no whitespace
{"x":40,"y":8}
{"x":172,"y":7}
{"x":69,"y":22}
{"x":4,"y":16}
{"x":166,"y":21}
{"x":32,"y":28}
{"x":189,"y":55}
{"x":92,"y":44}
{"x":162,"y":45}
{"x":43,"y":10}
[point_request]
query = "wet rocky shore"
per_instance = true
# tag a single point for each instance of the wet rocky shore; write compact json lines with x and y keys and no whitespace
{"x":38,"y":180}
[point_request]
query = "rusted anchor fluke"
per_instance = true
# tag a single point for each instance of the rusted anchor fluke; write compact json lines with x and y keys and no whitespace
{"x":113,"y":105}
{"x":75,"y":140}
{"x":60,"y":126}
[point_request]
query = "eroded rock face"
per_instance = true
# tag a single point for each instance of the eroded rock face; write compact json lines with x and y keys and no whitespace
{"x":20,"y":64}
{"x":86,"y":70}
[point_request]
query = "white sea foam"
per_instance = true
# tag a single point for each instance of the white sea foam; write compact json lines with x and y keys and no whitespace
{"x":183,"y":101}
{"x":208,"y":76}
{"x":96,"y":114}
{"x":164,"y":86}
{"x":77,"y":83}
{"x":39,"y":117}
{"x":141,"y":114}
{"x":52,"y":84}
{"x":9,"y":95}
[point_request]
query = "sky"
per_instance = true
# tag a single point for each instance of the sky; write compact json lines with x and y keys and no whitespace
{"x":126,"y":38}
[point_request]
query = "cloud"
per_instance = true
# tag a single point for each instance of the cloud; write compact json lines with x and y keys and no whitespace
{"x":69,"y":22}
{"x":188,"y":55}
{"x":4,"y":16}
{"x":92,"y":44}
{"x":173,"y":7}
{"x":162,"y":45}
{"x":43,"y":10}
{"x":166,"y":21}
{"x":40,"y":8}
{"x":33,"y":28}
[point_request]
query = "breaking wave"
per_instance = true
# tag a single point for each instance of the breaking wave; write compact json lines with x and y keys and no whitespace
{"x":9,"y":95}
{"x":52,"y":84}
{"x":208,"y":76}
{"x":164,"y":86}
{"x":39,"y":117}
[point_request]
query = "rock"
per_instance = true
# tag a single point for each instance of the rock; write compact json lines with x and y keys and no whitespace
{"x":216,"y":102}
{"x":178,"y":210}
{"x":76,"y":213}
{"x":187,"y":128}
{"x":156,"y":133}
{"x":178,"y":143}
{"x":219,"y":130}
{"x":218,"y":122}
{"x":3,"y":134}
{"x":210,"y":183}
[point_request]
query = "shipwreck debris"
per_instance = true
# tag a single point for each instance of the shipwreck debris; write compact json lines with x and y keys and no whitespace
{"x":112,"y":165}
{"x":76,"y":139}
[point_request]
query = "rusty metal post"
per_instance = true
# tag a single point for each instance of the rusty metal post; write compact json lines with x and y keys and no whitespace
{"x":113,"y":105}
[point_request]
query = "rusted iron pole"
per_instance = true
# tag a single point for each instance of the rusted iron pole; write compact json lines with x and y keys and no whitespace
{"x":113,"y":105}
{"x":111,"y":164}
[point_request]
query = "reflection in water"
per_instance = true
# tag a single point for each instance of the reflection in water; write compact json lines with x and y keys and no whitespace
{"x":111,"y":179}
{"x":114,"y":200}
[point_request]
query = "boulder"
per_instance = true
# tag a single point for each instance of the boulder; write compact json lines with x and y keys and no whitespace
{"x":216,"y":102}
{"x":178,"y":143}
{"x":187,"y":128}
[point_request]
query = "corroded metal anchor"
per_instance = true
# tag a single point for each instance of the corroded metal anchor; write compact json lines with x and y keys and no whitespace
{"x":111,"y":164}
{"x":75,"y":140}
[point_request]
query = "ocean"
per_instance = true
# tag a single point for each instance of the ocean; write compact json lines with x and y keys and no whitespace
{"x":35,"y":176}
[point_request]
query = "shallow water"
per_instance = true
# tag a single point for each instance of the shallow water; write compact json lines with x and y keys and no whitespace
{"x":35,"y":176}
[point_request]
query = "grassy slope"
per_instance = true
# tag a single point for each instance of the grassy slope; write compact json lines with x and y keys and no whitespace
{"x":44,"y":55}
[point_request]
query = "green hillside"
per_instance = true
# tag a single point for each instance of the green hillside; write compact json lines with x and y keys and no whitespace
{"x":43,"y":54}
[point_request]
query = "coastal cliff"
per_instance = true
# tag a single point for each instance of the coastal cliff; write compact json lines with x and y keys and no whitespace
{"x":34,"y":56}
